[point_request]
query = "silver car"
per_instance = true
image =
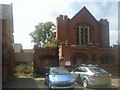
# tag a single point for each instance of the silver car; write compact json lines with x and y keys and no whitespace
{"x":91,"y":75}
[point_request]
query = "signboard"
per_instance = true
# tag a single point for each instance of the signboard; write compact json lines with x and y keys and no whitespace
{"x":67,"y":63}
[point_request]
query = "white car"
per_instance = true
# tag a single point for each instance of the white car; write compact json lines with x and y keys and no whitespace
{"x":90,"y":75}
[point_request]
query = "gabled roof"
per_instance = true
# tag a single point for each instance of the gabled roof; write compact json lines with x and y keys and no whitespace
{"x":81,"y":11}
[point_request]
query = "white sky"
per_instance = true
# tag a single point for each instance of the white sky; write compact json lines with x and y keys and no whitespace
{"x":28,"y":13}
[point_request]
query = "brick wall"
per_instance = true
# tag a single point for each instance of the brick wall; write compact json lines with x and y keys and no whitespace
{"x":44,"y":58}
{"x":66,"y":28}
{"x":23,"y":57}
{"x":69,"y":52}
{"x":6,"y":22}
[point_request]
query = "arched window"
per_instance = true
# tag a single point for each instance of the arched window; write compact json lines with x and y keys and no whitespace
{"x":79,"y":59}
{"x":107,"y":59}
{"x":83,"y":35}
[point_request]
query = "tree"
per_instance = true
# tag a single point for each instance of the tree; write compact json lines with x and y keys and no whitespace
{"x":42,"y":33}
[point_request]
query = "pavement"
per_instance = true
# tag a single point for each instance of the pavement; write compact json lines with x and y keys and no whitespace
{"x":29,"y":82}
{"x":116,"y":82}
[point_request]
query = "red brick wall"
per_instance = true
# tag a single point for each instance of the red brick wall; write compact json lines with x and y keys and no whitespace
{"x":48,"y":53}
{"x":69,"y":51}
{"x":66,"y":28}
{"x":104,"y":32}
{"x":62,"y":28}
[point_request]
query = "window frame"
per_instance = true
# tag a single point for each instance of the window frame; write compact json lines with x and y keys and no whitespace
{"x":81,"y":69}
{"x":109,"y":61}
{"x":83,"y":35}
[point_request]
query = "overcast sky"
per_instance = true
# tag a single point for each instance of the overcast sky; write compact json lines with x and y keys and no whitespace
{"x":28,"y":13}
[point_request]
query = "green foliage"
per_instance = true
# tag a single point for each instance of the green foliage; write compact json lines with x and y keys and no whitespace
{"x":36,"y":74}
{"x":51,"y":43}
{"x":42,"y":33}
{"x":64,"y":42}
{"x":24,"y":70}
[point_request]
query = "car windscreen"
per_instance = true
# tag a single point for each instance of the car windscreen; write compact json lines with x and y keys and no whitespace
{"x":97,"y":69}
{"x":58,"y":71}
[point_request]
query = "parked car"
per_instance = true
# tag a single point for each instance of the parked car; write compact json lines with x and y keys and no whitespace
{"x":91,"y":76}
{"x":59,"y":78}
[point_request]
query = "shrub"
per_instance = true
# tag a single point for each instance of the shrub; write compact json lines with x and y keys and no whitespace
{"x":24,"y":69}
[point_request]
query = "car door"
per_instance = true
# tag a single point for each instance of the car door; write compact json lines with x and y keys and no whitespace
{"x":75,"y":73}
{"x":83,"y":72}
{"x":81,"y":75}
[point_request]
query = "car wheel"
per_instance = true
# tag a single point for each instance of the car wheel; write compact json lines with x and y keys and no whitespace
{"x":85,"y":83}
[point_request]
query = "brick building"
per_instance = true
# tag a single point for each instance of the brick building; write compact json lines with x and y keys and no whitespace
{"x":87,"y":41}
{"x":45,"y":57}
{"x":6,"y":27}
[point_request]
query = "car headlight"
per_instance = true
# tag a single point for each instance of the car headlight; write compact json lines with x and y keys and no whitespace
{"x":53,"y":80}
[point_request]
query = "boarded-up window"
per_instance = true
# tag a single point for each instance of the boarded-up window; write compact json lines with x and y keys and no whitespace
{"x":107,"y":59}
{"x":79,"y":59}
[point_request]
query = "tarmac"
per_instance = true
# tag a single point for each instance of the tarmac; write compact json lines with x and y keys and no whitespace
{"x":29,"y":82}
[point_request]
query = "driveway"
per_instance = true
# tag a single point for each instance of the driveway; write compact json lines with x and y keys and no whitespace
{"x":23,"y":82}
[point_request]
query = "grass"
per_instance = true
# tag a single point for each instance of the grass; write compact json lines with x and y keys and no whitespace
{"x":24,"y":70}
